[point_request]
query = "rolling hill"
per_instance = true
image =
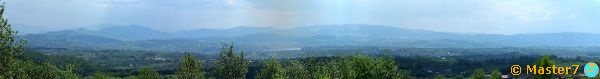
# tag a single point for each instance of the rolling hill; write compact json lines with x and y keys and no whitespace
{"x":262,"y":38}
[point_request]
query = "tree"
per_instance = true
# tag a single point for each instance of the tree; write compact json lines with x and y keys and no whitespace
{"x":10,"y":48}
{"x":230,"y":65}
{"x":317,"y":69}
{"x":189,"y":68}
{"x":271,"y":70}
{"x":295,"y":70}
{"x":321,"y":72}
{"x":148,"y":73}
{"x":478,"y":74}
{"x":347,"y":68}
{"x":496,"y":75}
{"x":132,"y":77}
{"x":44,"y":71}
{"x":378,"y":68}
{"x":100,"y":75}
{"x":23,"y":70}
{"x":70,"y":72}
{"x":389,"y":69}
{"x":596,"y":77}
{"x":440,"y":77}
{"x":544,"y":62}
{"x":404,"y":74}
{"x":365,"y":66}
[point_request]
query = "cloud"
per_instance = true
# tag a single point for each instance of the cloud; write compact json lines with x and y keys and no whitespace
{"x":484,"y":16}
{"x":50,"y":13}
{"x":469,"y":16}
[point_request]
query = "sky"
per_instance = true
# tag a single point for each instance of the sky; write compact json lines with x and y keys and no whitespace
{"x":464,"y":16}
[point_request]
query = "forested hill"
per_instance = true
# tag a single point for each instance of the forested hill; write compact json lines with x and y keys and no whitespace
{"x":263,"y":38}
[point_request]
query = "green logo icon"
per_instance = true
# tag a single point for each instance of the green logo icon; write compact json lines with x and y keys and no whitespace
{"x":591,"y":69}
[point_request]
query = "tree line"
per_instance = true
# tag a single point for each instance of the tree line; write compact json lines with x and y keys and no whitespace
{"x":232,"y":65}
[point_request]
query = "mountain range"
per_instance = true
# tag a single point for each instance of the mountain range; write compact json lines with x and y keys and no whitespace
{"x":264,"y":38}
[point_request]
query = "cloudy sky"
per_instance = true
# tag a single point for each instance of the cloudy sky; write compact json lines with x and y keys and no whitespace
{"x":466,"y":16}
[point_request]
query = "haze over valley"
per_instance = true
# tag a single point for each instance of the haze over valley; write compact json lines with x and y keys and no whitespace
{"x":136,"y":37}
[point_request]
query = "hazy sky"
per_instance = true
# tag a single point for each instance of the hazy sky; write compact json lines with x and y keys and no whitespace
{"x":467,"y":16}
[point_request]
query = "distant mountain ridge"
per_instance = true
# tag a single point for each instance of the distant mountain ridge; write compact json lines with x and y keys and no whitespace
{"x":259,"y":38}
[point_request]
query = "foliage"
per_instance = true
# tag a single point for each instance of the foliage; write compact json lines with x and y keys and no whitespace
{"x":404,"y":74}
{"x":347,"y":68}
{"x":544,"y":62}
{"x":440,"y":77}
{"x":295,"y":70}
{"x":323,"y":67}
{"x":478,"y":74}
{"x":230,"y":65}
{"x":382,"y":68}
{"x":149,"y":73}
{"x":100,"y":75}
{"x":321,"y":72}
{"x":133,"y":77}
{"x":45,"y":71}
{"x":70,"y":72}
{"x":271,"y":70}
{"x":10,"y":49}
{"x":366,"y":65}
{"x":496,"y":75}
{"x":320,"y":68}
{"x":389,"y":69}
{"x":596,"y":77}
{"x":189,"y":68}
